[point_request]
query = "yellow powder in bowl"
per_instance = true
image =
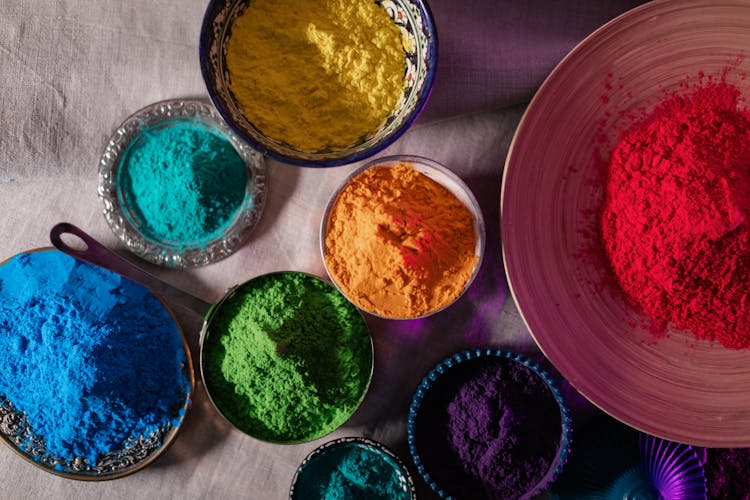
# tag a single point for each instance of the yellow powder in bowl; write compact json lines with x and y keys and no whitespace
{"x":399,"y":244}
{"x":316,"y":74}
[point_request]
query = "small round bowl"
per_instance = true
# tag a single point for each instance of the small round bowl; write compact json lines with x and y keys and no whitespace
{"x":437,"y":388}
{"x":125,"y":223}
{"x":322,"y":462}
{"x":415,"y":21}
{"x":136,"y":452}
{"x":436,"y":172}
{"x":209,"y":342}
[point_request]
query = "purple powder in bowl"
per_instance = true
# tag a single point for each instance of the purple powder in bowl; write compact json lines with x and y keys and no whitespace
{"x":488,"y":426}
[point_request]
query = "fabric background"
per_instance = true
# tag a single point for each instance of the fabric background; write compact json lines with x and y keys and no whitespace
{"x":71,"y":71}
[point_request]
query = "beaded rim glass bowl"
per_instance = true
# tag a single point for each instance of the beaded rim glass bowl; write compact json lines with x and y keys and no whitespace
{"x":125,"y":224}
{"x":428,"y":383}
{"x":408,"y":482}
{"x":415,"y":21}
{"x":438,"y":173}
{"x":136,"y":453}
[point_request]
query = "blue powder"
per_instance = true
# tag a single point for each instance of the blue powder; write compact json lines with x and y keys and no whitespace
{"x":91,"y":358}
{"x":352,"y":471}
{"x":183,"y":182}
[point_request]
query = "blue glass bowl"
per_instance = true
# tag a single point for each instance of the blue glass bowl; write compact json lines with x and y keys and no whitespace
{"x":448,"y":365}
{"x":417,"y":25}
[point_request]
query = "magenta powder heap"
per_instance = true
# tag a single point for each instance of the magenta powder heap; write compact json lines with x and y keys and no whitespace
{"x":489,"y":427}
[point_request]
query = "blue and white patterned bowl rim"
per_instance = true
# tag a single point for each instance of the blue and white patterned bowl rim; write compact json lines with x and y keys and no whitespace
{"x":369,"y":443}
{"x":446,"y":364}
{"x":209,"y":60}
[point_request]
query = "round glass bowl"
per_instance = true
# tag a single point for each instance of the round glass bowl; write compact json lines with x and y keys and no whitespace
{"x":119,"y":210}
{"x":135,"y":453}
{"x":435,"y":172}
{"x":451,"y":409}
{"x":414,"y":19}
{"x":352,"y":467}
{"x":285,"y":358}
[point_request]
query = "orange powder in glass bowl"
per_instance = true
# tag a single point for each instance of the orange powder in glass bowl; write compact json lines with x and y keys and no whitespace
{"x":403,"y":237}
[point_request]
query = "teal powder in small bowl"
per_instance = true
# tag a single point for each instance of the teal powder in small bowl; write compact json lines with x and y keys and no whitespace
{"x":350,"y":470}
{"x":183,"y":182}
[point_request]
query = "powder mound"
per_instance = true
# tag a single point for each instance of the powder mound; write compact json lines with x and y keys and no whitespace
{"x":351,"y":471}
{"x":675,"y":221}
{"x":314,"y":74}
{"x":287,"y":358}
{"x":91,"y":359}
{"x":398,"y":243}
{"x":488,"y":428}
{"x":184,"y":183}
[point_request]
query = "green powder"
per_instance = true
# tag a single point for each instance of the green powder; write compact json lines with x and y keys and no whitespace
{"x":183,"y":182}
{"x":287,"y":358}
{"x":351,"y":471}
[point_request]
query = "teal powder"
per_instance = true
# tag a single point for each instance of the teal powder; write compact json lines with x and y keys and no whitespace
{"x":183,"y":182}
{"x":90,"y":358}
{"x":352,"y":471}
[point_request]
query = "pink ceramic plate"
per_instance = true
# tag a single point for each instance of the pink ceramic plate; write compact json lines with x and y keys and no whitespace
{"x":673,"y":387}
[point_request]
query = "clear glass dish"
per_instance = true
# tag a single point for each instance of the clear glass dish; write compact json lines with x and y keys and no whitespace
{"x":127,"y":226}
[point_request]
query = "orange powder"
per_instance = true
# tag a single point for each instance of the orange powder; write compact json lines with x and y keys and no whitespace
{"x":399,"y":244}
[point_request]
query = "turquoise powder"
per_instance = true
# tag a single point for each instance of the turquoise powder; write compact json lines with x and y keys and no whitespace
{"x":351,"y":471}
{"x":89,"y":357}
{"x":183,"y":182}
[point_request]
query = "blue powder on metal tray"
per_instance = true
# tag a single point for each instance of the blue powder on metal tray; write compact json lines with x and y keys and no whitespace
{"x":91,"y":358}
{"x":183,"y":182}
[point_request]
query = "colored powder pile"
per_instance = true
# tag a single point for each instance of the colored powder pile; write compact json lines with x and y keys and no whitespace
{"x":726,"y":473}
{"x":488,"y":428}
{"x":287,"y":358}
{"x":398,"y":243}
{"x":91,"y":358}
{"x":351,"y":471}
{"x":316,"y":74}
{"x":183,"y":182}
{"x":675,"y":222}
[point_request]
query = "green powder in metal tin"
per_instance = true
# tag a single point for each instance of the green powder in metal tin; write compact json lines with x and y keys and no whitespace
{"x":287,"y":358}
{"x":183,"y":181}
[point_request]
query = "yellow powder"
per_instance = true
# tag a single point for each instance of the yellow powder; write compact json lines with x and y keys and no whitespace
{"x":316,"y":74}
{"x":398,"y":243}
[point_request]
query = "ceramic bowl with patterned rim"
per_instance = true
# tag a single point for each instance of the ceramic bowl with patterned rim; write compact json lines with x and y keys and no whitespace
{"x":124,"y":220}
{"x":321,"y":462}
{"x":428,"y":412}
{"x":417,"y":27}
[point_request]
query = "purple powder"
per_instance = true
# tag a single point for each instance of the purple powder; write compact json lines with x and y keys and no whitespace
{"x":726,"y":473}
{"x":490,"y":428}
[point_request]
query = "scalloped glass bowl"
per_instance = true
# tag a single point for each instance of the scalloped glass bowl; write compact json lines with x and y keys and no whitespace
{"x":416,"y":23}
{"x":438,"y":173}
{"x":314,"y":465}
{"x":124,"y":222}
{"x":433,"y":381}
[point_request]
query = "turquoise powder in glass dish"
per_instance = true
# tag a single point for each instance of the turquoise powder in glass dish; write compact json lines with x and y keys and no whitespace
{"x":352,"y":468}
{"x":179,"y":188}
